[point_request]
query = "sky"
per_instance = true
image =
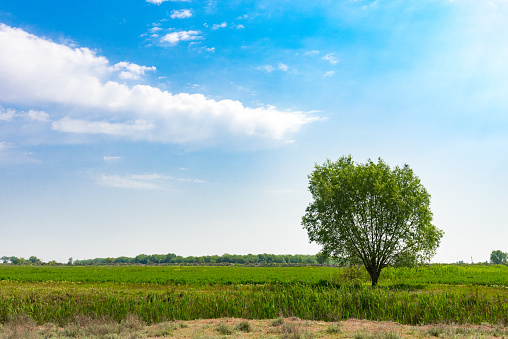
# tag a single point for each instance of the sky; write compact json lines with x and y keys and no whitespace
{"x":189,"y":127}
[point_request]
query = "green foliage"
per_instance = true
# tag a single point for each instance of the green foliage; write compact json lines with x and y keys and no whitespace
{"x":370,"y":213}
{"x":333,"y":329}
{"x":499,"y":257}
{"x":244,"y":326}
{"x":224,"y":329}
{"x":421,"y":295}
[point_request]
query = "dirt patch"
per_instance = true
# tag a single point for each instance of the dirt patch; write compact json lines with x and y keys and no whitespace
{"x":284,"y":328}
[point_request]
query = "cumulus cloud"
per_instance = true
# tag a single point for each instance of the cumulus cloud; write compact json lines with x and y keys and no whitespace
{"x":175,"y":37}
{"x":283,"y":67}
{"x":33,"y":115}
{"x":181,"y":14}
{"x":84,"y":97}
{"x":131,"y":71}
{"x":222,"y":25}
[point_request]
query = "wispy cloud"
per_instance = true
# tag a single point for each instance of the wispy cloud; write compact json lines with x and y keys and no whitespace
{"x":331,"y":59}
{"x":4,"y":145}
{"x":135,"y":181}
{"x":328,"y":74}
{"x":111,"y":158}
{"x":158,"y":2}
{"x":266,"y":68}
{"x":152,"y":181}
{"x":222,"y":25}
{"x":181,"y":14}
{"x":174,"y":38}
{"x":269,"y":68}
{"x":80,"y":87}
{"x":69,"y":125}
{"x":313,"y":52}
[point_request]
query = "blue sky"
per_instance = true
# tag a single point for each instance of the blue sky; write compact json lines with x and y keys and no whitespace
{"x":148,"y":126}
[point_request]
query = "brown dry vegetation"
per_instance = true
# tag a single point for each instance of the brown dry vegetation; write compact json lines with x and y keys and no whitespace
{"x":285,"y":328}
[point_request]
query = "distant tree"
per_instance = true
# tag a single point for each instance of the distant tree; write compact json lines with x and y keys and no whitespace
{"x":34,"y":260}
{"x":5,"y":259}
{"x":141,"y":259}
{"x":123,"y":260}
{"x":372,"y":213}
{"x":70,"y":261}
{"x":499,"y":257}
{"x":17,"y":261}
{"x":170,"y":257}
{"x":322,"y":258}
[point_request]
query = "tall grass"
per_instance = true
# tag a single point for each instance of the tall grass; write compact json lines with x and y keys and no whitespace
{"x":311,"y":302}
{"x":423,"y":295}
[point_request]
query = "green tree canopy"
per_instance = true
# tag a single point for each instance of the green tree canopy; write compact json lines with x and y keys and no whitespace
{"x":370,"y":213}
{"x":499,"y":257}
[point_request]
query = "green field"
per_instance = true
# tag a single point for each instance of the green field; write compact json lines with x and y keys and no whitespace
{"x":427,"y":294}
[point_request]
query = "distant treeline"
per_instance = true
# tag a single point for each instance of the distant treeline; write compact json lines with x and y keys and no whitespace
{"x":171,"y":258}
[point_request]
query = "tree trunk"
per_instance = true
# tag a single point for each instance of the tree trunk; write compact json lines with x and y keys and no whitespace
{"x":374,"y":274}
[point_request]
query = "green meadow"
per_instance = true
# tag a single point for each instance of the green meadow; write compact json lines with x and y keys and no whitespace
{"x":460,"y":294}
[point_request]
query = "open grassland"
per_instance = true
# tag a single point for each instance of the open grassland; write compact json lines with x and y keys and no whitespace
{"x":469,"y":294}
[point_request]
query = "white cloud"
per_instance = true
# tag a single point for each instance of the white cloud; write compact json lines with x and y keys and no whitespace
{"x":79,"y":86}
{"x":222,"y":25}
{"x":328,"y":74}
{"x":134,"y":181}
{"x":181,"y":14}
{"x":102,"y":127}
{"x":111,"y":158}
{"x":283,"y":67}
{"x":155,"y":29}
{"x":32,"y":115}
{"x":240,"y":26}
{"x":4,"y":145}
{"x":153,"y":181}
{"x":131,"y":71}
{"x":7,"y":114}
{"x":313,"y":52}
{"x":175,"y":37}
{"x":36,"y":115}
{"x":331,"y":59}
{"x":266,"y":68}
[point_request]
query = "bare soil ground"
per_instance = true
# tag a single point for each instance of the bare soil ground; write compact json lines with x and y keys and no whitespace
{"x":286,"y":328}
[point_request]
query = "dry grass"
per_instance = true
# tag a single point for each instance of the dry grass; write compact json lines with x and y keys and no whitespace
{"x":283,"y":328}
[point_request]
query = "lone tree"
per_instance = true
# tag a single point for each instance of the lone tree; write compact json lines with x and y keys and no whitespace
{"x":498,"y":257}
{"x":370,"y":213}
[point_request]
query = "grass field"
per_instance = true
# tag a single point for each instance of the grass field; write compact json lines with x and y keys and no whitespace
{"x":467,"y":294}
